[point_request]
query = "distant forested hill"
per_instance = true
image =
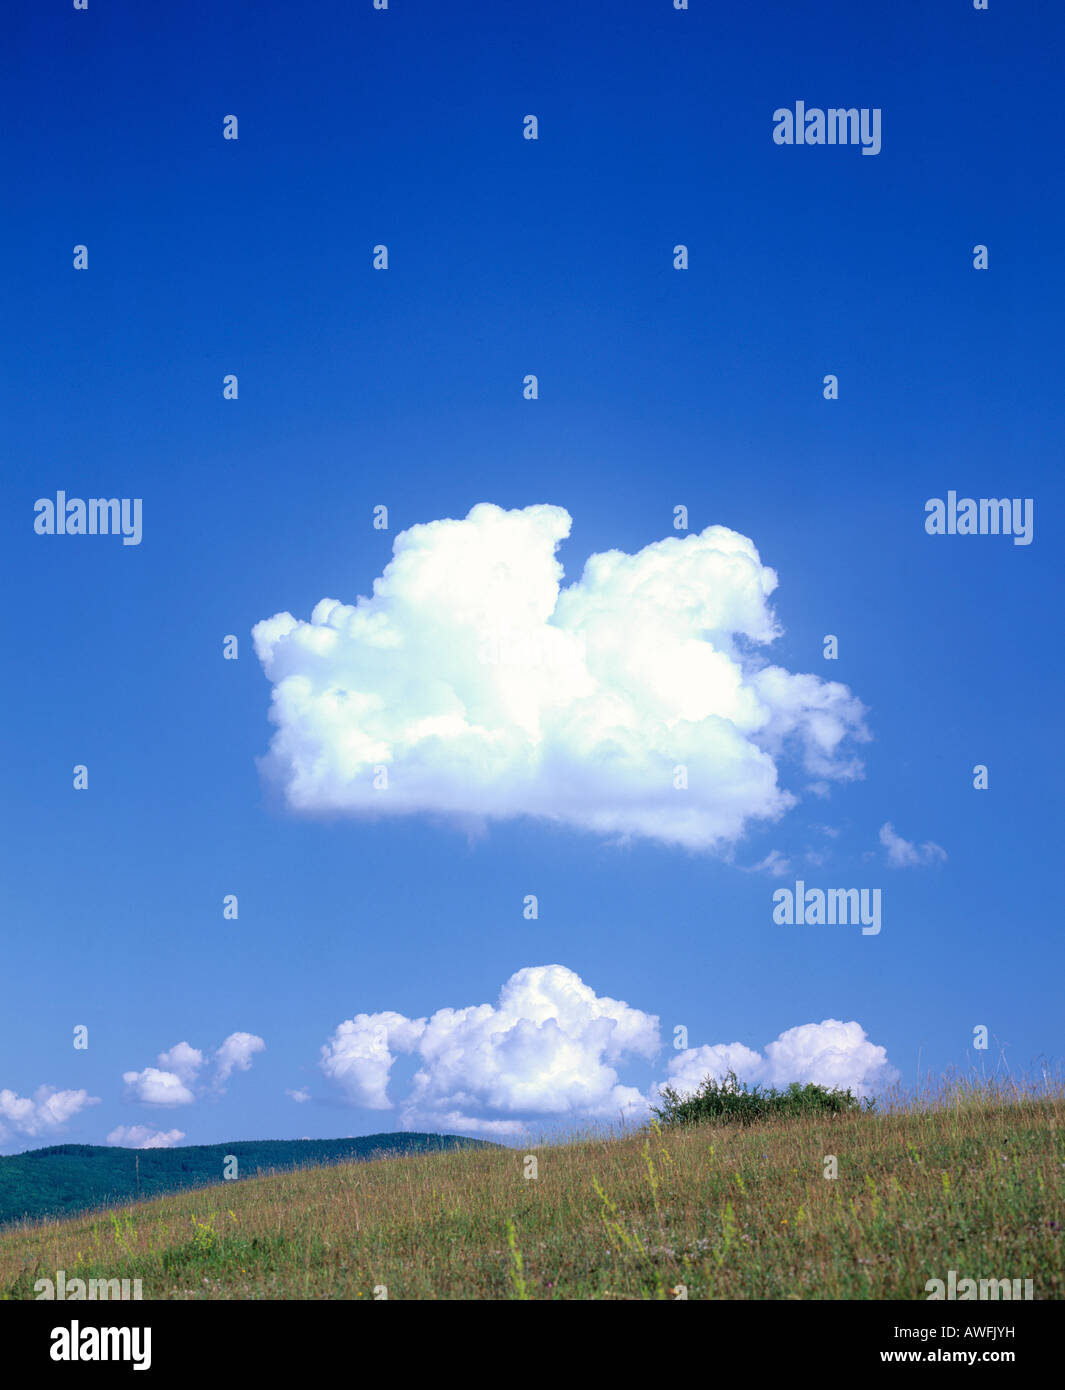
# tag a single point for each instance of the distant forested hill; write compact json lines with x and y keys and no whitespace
{"x":68,"y":1178}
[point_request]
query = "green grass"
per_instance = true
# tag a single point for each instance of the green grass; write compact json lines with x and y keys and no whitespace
{"x":971,"y":1180}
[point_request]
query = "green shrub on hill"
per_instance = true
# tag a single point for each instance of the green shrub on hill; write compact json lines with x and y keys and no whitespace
{"x":733,"y":1101}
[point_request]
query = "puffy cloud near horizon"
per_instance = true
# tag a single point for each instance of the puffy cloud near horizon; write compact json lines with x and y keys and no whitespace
{"x":175,"y":1080}
{"x":904,"y":854}
{"x":829,"y":1053}
{"x":548,"y":1047}
{"x":141,"y":1137}
{"x":488,"y":691}
{"x":47,"y":1111}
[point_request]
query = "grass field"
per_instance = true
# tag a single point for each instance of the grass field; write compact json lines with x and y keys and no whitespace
{"x":972,"y":1182}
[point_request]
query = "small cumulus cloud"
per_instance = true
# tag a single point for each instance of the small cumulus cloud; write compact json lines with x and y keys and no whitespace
{"x":48,"y":1110}
{"x":154,"y":1087}
{"x":235,"y":1054}
{"x":184,"y":1061}
{"x":177,"y":1078}
{"x":299,"y":1096}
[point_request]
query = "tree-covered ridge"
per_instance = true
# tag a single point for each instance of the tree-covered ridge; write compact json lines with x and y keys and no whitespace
{"x":64,"y":1179}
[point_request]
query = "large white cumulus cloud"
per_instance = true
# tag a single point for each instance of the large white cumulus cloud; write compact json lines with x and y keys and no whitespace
{"x":830,"y":1053}
{"x":550,"y":1046}
{"x":552,"y":1049}
{"x":488,"y":690}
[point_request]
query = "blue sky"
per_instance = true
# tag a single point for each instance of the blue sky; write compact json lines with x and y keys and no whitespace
{"x":657,"y":387}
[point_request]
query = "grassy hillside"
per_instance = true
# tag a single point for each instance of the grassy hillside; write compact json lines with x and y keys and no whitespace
{"x":69,"y":1178}
{"x":974,"y":1185}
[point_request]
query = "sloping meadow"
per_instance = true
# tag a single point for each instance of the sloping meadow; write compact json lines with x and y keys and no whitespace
{"x":848,"y":1206}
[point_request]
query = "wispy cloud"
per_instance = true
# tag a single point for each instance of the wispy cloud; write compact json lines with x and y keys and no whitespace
{"x":902,"y":854}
